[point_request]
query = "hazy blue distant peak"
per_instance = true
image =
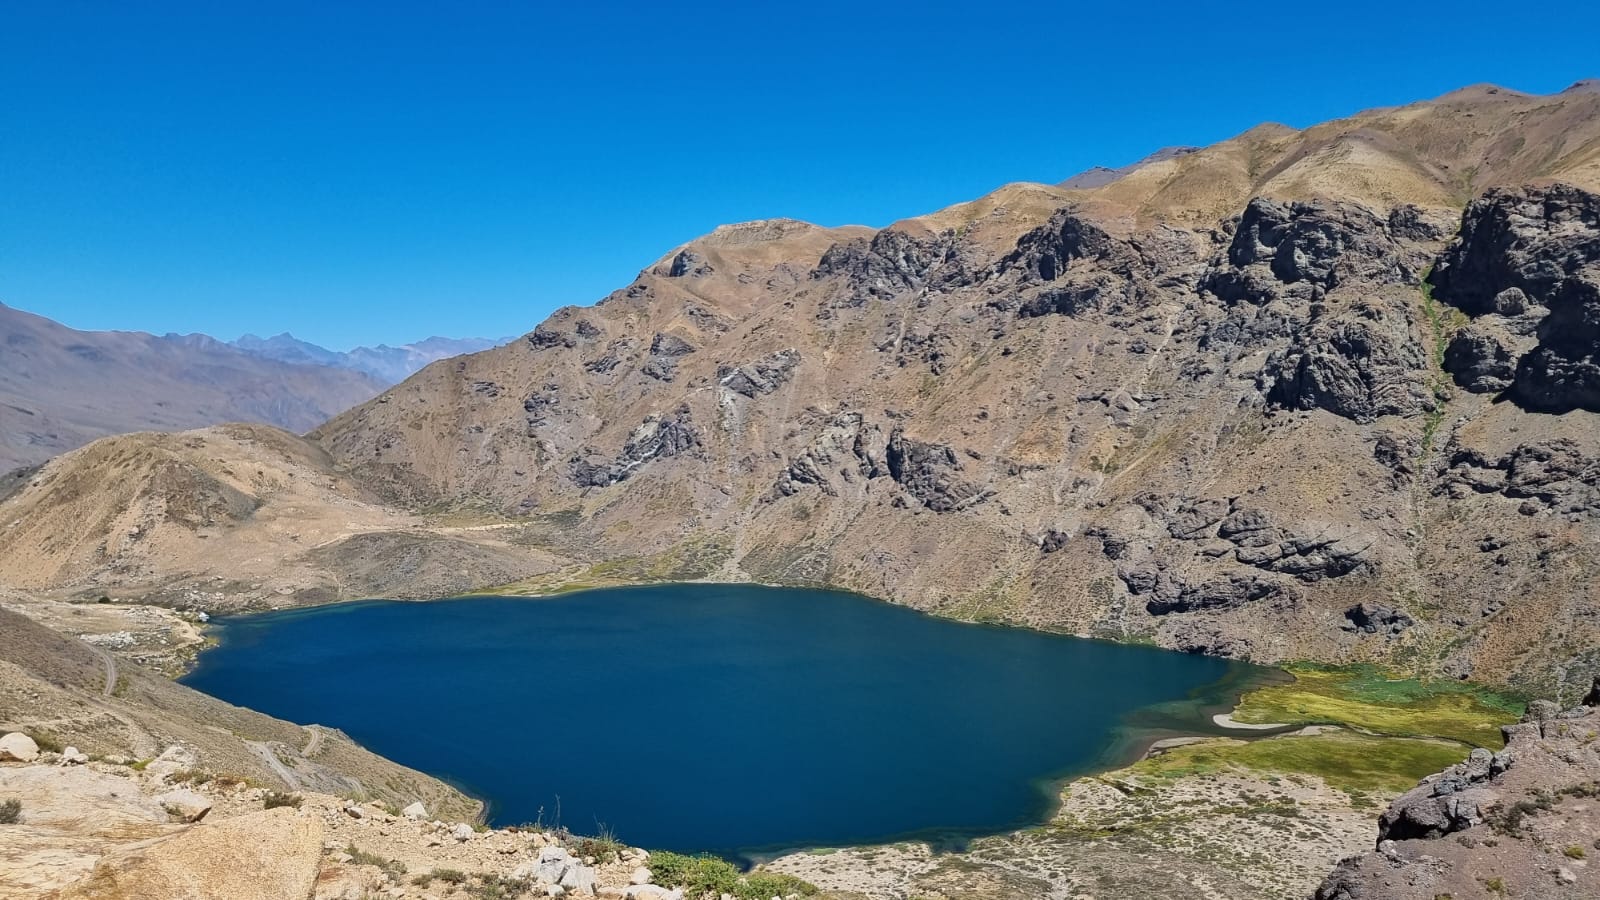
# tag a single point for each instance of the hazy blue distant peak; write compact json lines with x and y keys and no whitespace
{"x":383,"y":362}
{"x":286,"y":347}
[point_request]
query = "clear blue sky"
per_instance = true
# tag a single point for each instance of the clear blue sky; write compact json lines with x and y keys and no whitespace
{"x":386,"y":172}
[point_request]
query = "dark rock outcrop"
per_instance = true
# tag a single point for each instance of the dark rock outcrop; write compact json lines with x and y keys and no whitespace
{"x":1375,"y":618}
{"x":1310,"y":247}
{"x":1310,"y":555}
{"x":930,"y":473}
{"x":1231,"y":592}
{"x":891,"y":263}
{"x":1361,"y":363}
{"x":656,"y":437}
{"x":1527,"y":262}
{"x":760,"y":377}
{"x":1481,"y":359}
{"x":1554,"y":476}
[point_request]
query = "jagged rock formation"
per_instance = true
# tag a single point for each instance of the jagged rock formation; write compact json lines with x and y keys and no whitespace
{"x":1526,"y":266}
{"x":1521,"y":822}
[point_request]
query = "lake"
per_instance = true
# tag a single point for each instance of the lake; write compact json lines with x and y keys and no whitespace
{"x":722,"y":718}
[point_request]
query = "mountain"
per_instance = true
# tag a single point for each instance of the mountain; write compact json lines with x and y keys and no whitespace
{"x":1321,"y":395}
{"x":1254,"y":400}
{"x":61,"y":388}
{"x":389,"y":365}
{"x":1100,"y":176}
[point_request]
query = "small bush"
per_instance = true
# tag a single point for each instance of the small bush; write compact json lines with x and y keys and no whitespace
{"x":1575,"y":852}
{"x":1507,"y":820}
{"x":276,"y":799}
{"x":603,"y":847}
{"x":10,"y":811}
{"x":498,"y":887}
{"x":190,"y":776}
{"x":393,"y":868}
{"x":766,"y":885}
{"x":705,"y":874}
{"x":49,"y":743}
{"x":450,"y":876}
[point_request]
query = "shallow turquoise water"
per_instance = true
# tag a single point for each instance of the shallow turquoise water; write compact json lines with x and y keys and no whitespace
{"x":722,"y":718}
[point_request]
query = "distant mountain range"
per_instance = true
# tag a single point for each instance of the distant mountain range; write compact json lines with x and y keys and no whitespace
{"x":390,"y":365}
{"x":61,"y":388}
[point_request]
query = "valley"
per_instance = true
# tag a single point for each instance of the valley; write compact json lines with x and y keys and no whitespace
{"x":1322,"y":399}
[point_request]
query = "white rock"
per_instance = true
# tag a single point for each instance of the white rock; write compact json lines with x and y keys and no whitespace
{"x":354,"y":811}
{"x":19,"y":747}
{"x":554,"y":890}
{"x":552,"y":854}
{"x":185,"y":804}
{"x":462,"y":832}
{"x":172,"y":760}
{"x":641,"y":875}
{"x":578,"y":879}
{"x":652,"y":892}
{"x":72,"y":756}
{"x":416,"y":812}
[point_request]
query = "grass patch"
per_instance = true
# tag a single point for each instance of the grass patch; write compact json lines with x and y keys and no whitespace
{"x":10,"y":811}
{"x":1349,"y":761}
{"x":604,"y":847}
{"x":392,"y":868}
{"x":1366,"y":697}
{"x":487,"y":886}
{"x":701,"y":875}
{"x":276,"y":799}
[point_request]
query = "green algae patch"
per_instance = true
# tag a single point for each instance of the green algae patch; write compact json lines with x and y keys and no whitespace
{"x":1367,"y":698}
{"x":1349,"y":761}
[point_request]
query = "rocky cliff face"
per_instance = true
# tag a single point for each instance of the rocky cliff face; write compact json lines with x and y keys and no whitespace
{"x":1271,"y":435}
{"x":1523,"y":822}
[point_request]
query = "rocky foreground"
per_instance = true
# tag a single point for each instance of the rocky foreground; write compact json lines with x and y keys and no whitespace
{"x":1524,"y":822}
{"x":112,"y":831}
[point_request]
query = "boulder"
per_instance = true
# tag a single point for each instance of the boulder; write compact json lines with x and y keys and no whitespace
{"x":172,"y":760}
{"x":72,"y":756}
{"x":18,"y":747}
{"x":462,"y":832}
{"x":415,"y":812}
{"x":641,"y":875}
{"x":266,"y":855}
{"x":578,"y":879}
{"x":553,"y":865}
{"x":185,"y":804}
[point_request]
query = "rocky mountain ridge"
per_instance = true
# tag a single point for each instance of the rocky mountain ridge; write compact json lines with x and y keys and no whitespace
{"x":1242,"y":400}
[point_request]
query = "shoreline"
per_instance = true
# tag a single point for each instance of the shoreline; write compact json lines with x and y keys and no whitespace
{"x":1190,"y":719}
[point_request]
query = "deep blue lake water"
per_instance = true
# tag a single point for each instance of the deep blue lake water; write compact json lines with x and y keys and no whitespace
{"x":723,"y":718}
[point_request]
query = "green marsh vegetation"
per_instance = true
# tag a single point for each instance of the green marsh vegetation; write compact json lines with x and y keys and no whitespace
{"x":1369,"y":699}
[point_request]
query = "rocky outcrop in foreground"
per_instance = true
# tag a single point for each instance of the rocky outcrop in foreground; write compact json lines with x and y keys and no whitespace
{"x":104,"y":831}
{"x":1524,"y":822}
